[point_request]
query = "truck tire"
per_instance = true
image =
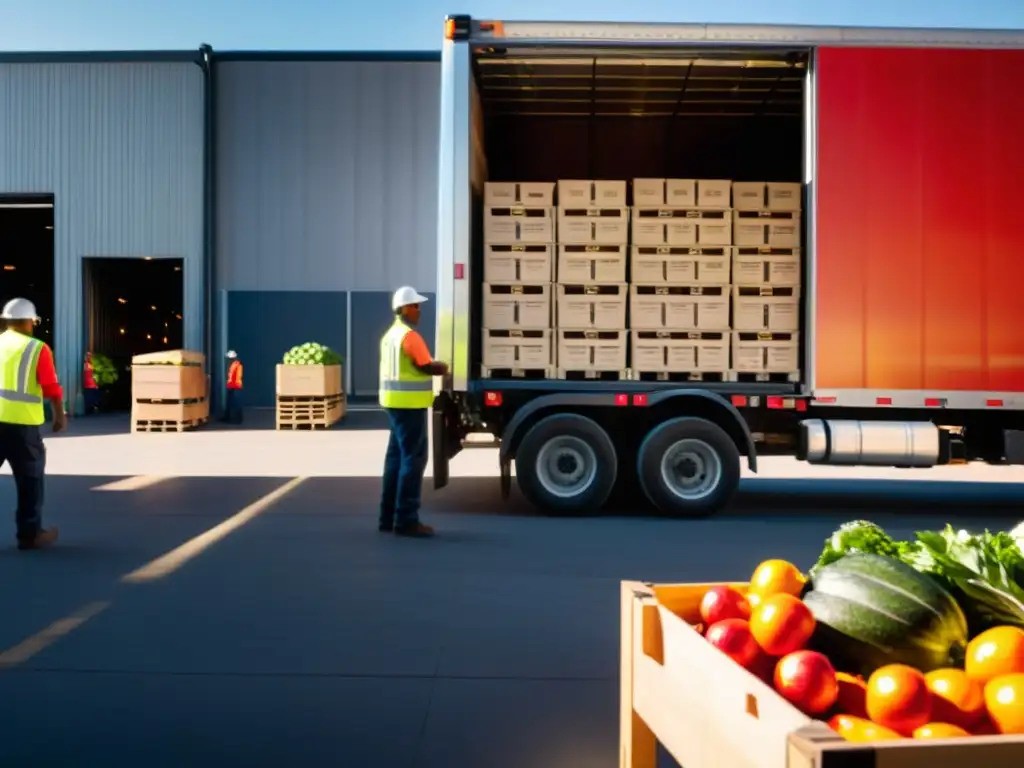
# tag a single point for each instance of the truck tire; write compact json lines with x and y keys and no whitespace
{"x":688,"y":467}
{"x":566,"y":464}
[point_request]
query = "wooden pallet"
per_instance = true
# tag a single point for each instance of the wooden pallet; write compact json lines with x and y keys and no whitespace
{"x":309,"y":411}
{"x":681,"y":376}
{"x":770,"y":377}
{"x":165,"y":425}
{"x":592,"y":375}
{"x":516,"y":373}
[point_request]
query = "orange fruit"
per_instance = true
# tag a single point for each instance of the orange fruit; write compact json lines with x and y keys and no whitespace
{"x":853,"y":692}
{"x":898,"y":698}
{"x":781,"y":624}
{"x":777,"y":577}
{"x":997,"y":651}
{"x":956,"y":699}
{"x":940,"y":731}
{"x":1004,"y":700}
{"x":858,"y":729}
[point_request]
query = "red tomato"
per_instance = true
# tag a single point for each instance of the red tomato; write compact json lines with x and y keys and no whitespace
{"x":720,"y":603}
{"x":853,"y":692}
{"x":807,"y":680}
{"x":732,"y":637}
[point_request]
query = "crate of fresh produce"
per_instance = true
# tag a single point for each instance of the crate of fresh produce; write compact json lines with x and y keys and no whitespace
{"x":885,"y":653}
{"x":170,"y":357}
{"x":310,"y":370}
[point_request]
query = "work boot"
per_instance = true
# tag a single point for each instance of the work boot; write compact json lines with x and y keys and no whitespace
{"x":41,"y":540}
{"x":414,"y":531}
{"x":385,"y":527}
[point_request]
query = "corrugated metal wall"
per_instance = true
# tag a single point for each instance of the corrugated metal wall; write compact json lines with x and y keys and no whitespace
{"x":120,"y":146}
{"x":327,"y":175}
{"x":326,"y":182}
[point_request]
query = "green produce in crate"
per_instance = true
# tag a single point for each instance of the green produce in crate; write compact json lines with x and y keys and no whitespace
{"x":103,"y":370}
{"x":311,"y":353}
{"x":984,"y":572}
{"x":873,"y":610}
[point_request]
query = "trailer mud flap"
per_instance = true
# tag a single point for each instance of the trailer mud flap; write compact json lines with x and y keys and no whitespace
{"x":506,"y":477}
{"x":439,"y":446}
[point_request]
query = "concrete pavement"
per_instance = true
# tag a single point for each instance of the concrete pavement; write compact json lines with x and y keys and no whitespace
{"x":304,"y":637}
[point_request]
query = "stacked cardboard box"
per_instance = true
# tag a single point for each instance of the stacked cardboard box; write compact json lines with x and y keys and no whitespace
{"x":592,"y":288}
{"x":518,"y":261}
{"x":766,"y":281}
{"x":170,"y":391}
{"x":680,"y":279}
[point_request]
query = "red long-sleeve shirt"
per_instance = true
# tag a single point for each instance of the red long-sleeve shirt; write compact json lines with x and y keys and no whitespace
{"x":46,"y":375}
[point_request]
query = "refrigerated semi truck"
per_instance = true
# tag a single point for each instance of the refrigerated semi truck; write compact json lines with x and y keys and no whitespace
{"x":903,"y":344}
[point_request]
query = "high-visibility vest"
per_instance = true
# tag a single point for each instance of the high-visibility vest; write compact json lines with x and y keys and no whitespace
{"x":21,"y":397}
{"x":401,"y":384}
{"x":235,"y":375}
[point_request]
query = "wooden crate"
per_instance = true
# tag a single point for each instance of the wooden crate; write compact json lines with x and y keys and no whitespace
{"x":309,"y":412}
{"x":708,"y":712}
{"x":169,"y":416}
{"x":168,"y":382}
{"x":309,"y":380}
{"x":170,"y":357}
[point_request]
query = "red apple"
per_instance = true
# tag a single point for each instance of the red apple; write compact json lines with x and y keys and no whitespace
{"x":807,"y":680}
{"x":720,"y":603}
{"x":732,"y":637}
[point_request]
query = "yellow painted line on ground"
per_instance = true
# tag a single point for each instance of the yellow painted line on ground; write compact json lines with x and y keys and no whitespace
{"x":177,"y":557}
{"x":28,"y":648}
{"x":132,"y":483}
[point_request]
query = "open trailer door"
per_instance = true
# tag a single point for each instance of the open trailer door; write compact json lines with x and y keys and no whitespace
{"x":919,"y":232}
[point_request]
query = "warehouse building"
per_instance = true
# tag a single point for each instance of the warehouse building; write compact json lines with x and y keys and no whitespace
{"x":242,"y":200}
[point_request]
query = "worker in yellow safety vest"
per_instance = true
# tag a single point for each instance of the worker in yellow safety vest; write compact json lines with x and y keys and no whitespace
{"x":406,"y":394}
{"x":27,"y":377}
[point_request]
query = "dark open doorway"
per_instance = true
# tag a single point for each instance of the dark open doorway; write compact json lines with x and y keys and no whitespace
{"x":132,"y":306}
{"x":26,"y":255}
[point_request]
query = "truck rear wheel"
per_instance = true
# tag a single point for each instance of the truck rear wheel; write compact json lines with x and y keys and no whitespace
{"x":688,"y":467}
{"x":566,"y":464}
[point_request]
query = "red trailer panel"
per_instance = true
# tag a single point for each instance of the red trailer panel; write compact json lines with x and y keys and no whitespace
{"x":920,"y":223}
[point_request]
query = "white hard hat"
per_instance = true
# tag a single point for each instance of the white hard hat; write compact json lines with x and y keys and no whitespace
{"x":405,"y":296}
{"x":232,"y":354}
{"x":19,"y":309}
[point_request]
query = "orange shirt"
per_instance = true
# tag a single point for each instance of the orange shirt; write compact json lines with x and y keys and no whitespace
{"x":46,"y":375}
{"x":416,"y":348}
{"x":88,"y":378}
{"x":235,"y":375}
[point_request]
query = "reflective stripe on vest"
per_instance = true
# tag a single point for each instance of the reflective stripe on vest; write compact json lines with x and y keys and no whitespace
{"x":401,"y":383}
{"x":21,"y":397}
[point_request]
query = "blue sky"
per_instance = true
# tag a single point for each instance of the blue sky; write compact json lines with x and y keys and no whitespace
{"x":416,"y":24}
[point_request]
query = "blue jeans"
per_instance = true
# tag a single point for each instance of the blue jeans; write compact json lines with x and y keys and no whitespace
{"x":233,"y":407}
{"x":404,"y":465}
{"x":22,"y":447}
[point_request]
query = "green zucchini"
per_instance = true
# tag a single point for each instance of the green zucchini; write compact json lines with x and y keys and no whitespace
{"x":873,"y":610}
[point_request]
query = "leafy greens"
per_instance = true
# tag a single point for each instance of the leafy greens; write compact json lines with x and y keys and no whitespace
{"x":985,"y":571}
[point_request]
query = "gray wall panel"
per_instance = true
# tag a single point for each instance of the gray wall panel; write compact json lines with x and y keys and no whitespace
{"x":327,"y":175}
{"x":263,"y":325}
{"x":120,"y":145}
{"x":371,"y":317}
